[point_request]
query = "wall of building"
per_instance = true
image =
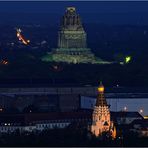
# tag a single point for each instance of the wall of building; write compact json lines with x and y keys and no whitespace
{"x":66,"y":98}
{"x":68,"y":102}
{"x":118,"y":104}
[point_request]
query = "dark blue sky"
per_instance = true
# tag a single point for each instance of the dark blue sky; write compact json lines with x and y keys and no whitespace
{"x":59,"y":7}
{"x":107,"y":12}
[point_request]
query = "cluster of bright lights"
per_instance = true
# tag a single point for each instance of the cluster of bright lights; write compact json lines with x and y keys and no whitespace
{"x":140,"y":111}
{"x":4,"y":62}
{"x":7,"y":124}
{"x":21,"y":38}
{"x":126,"y":60}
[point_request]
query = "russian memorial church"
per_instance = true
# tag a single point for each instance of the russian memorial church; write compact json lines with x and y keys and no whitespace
{"x":101,"y":121}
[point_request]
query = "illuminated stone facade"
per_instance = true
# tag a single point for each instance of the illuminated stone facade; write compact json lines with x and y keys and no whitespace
{"x":72,"y":46}
{"x":101,"y":114}
{"x":72,"y":42}
{"x":71,"y":34}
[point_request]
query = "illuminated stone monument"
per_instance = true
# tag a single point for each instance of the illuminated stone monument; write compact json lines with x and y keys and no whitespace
{"x":72,"y":44}
{"x":71,"y":34}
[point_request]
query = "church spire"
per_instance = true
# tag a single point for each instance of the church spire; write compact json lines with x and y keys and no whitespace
{"x":101,"y":101}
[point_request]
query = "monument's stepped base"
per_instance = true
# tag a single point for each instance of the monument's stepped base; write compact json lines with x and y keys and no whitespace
{"x":83,"y":58}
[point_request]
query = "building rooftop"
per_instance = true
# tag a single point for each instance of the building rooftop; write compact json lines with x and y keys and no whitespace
{"x":26,"y":119}
{"x":126,"y":114}
{"x":54,"y":116}
{"x":143,"y":123}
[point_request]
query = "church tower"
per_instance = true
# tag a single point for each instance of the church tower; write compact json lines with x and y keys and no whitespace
{"x":101,"y":114}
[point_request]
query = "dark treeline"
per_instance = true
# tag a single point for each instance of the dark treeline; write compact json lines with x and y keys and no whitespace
{"x":68,"y":137}
{"x":111,"y":43}
{"x":33,"y":71}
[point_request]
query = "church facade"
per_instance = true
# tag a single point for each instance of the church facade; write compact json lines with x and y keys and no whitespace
{"x":101,"y":120}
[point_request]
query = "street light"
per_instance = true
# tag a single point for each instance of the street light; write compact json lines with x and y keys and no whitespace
{"x":141,"y":111}
{"x":125,"y":108}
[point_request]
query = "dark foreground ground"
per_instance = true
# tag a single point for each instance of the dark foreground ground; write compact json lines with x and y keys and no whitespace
{"x":22,"y":64}
{"x":33,"y":71}
{"x":69,"y":137}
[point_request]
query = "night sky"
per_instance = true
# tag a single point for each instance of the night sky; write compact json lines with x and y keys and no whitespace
{"x":91,"y":12}
{"x":91,"y":7}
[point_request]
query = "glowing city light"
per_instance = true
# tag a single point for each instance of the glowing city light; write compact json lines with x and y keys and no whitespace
{"x":101,"y":89}
{"x":125,"y":108}
{"x":21,"y":38}
{"x":127,"y":59}
{"x":4,"y":62}
{"x":141,"y":111}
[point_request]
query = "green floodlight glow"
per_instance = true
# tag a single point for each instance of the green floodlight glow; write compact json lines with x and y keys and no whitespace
{"x":127,"y":59}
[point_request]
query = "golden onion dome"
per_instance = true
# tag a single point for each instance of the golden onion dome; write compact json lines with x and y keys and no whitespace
{"x":101,"y":88}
